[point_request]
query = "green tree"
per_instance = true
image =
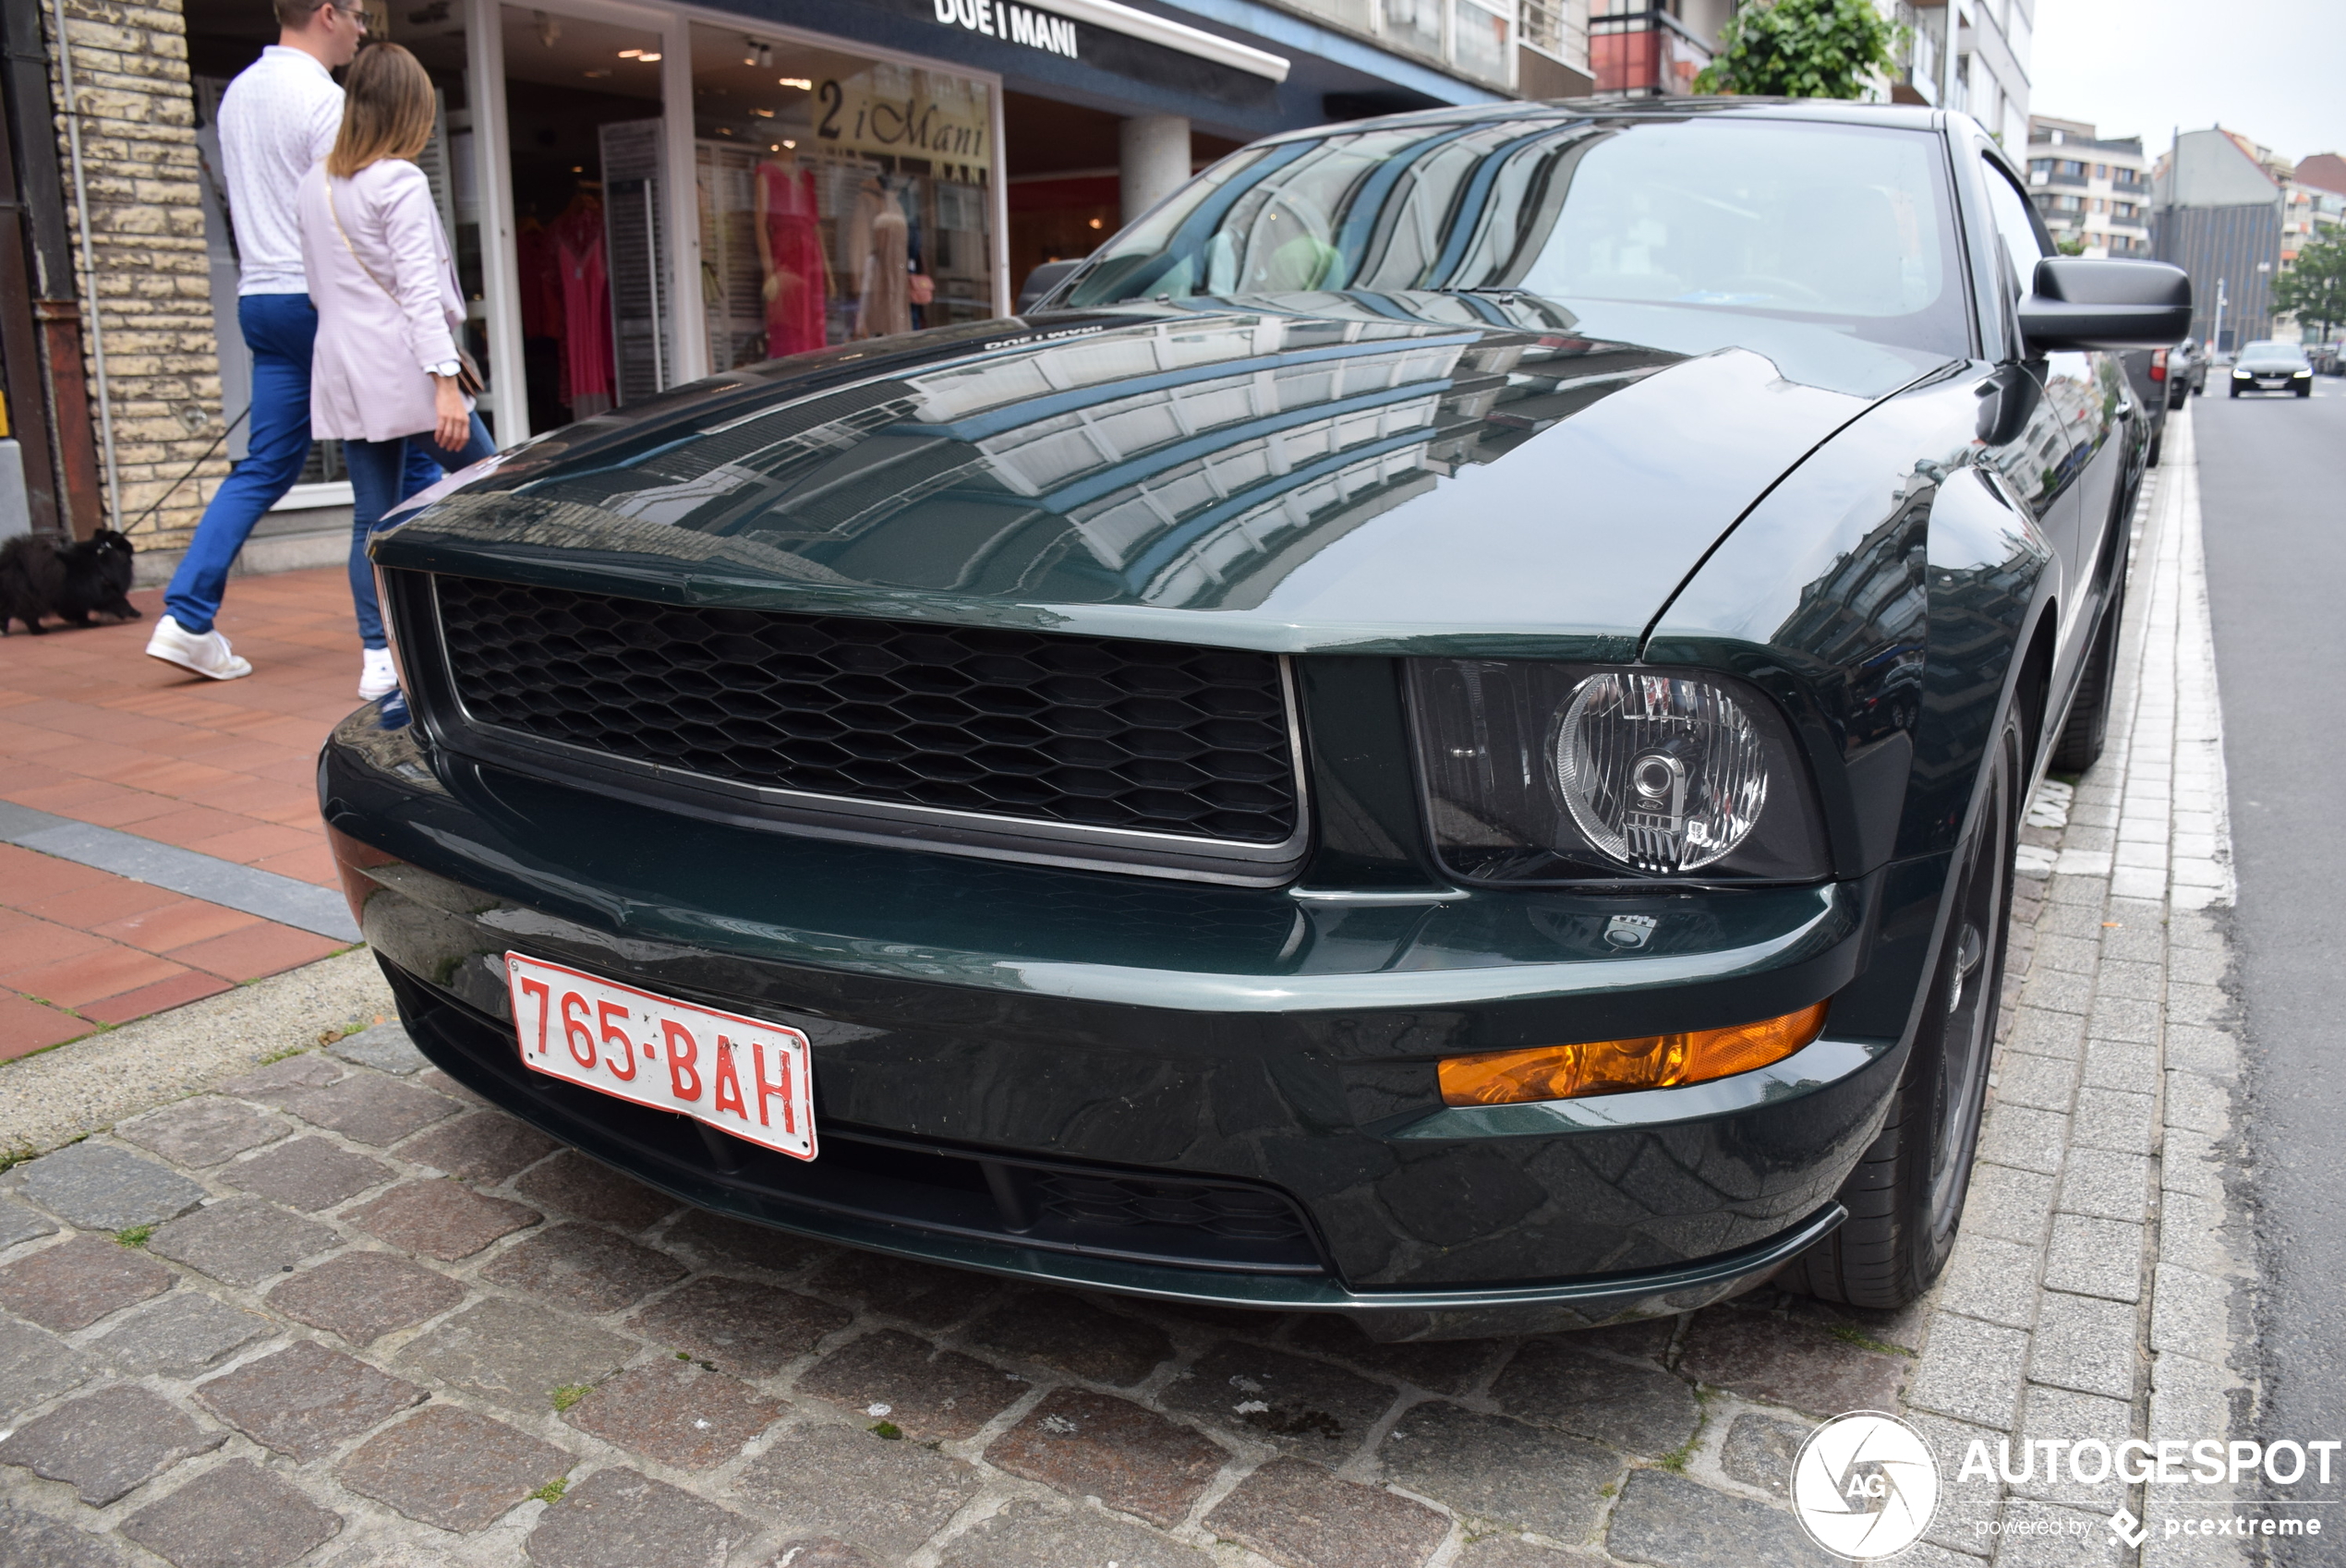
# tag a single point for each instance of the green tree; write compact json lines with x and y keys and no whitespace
{"x":1801,"y":49}
{"x":2315,"y":289}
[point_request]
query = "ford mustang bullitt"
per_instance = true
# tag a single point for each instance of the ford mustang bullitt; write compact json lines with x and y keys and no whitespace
{"x":1437,"y":733}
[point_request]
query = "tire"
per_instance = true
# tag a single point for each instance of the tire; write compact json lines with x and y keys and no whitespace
{"x":1906,"y":1198}
{"x":2235,"y":389}
{"x":2158,"y":440}
{"x":2079,"y":745}
{"x":2306,"y":391}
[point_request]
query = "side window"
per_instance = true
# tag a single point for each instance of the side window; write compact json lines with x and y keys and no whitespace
{"x":2016,"y":225}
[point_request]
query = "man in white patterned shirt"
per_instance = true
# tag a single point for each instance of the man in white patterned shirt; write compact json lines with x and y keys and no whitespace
{"x":278,"y":117}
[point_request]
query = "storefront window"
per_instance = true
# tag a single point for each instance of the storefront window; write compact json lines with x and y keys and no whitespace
{"x":840,"y":198}
{"x":583,"y":118}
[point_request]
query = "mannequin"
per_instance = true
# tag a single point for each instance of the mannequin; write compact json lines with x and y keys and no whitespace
{"x":885,"y":303}
{"x":790,"y":252}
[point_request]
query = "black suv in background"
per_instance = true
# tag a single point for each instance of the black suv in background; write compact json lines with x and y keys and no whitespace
{"x":2150,"y":374}
{"x":2186,"y":371}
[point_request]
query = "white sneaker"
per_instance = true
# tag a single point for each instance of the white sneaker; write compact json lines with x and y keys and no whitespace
{"x":376,"y":677}
{"x":208,"y":654}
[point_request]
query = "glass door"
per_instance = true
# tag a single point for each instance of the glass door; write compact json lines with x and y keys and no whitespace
{"x":587,"y":154}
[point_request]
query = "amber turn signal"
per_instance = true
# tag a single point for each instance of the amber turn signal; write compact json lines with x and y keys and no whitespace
{"x":1613,"y":1066}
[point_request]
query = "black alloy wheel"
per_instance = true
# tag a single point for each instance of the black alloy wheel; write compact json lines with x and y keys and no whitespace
{"x":1906,"y":1198}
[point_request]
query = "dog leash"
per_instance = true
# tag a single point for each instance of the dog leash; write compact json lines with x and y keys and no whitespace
{"x":190,"y":474}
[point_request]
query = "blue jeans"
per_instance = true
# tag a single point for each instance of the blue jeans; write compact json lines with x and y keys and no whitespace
{"x":382,"y":474}
{"x":280,"y":330}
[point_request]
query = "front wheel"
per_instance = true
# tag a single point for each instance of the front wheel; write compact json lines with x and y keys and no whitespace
{"x":2156,"y":443}
{"x":2235,"y":390}
{"x":2306,"y":390}
{"x":1906,"y":1198}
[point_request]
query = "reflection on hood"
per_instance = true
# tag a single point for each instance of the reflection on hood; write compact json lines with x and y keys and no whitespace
{"x":1179,"y":459}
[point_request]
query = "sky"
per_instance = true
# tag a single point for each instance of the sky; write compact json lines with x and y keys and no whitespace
{"x":2272,"y":69}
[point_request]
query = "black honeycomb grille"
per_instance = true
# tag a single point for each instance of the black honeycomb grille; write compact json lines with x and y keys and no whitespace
{"x":1142,"y":737}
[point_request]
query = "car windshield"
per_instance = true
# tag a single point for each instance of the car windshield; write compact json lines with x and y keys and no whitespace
{"x":2279,"y":354}
{"x":1844,"y":225}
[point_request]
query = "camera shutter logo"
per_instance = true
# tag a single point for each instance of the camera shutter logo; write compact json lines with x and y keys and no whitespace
{"x":1864,"y":1486}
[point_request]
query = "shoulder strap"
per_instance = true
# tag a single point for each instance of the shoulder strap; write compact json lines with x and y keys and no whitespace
{"x":335,"y":214}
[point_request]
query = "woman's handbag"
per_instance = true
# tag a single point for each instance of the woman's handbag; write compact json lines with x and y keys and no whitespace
{"x":468,"y":378}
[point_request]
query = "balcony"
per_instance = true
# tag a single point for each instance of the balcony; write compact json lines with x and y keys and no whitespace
{"x":1474,"y":38}
{"x":2055,"y":178}
{"x":1637,"y":50}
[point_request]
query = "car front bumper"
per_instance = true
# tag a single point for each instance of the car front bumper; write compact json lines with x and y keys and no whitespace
{"x":1217,"y":1095}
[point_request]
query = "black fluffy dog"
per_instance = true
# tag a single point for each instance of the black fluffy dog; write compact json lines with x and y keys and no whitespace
{"x":91,"y":576}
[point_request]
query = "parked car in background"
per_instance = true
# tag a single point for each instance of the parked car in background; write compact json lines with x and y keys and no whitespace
{"x":2268,"y":365}
{"x":1438,"y":735}
{"x":2149,"y":372}
{"x":2329,"y":358}
{"x":2186,"y":371}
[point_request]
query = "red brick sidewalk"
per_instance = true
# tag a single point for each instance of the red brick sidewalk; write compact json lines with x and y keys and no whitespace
{"x":93,"y":729}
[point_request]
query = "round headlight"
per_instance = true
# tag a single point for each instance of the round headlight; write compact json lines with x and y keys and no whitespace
{"x":1662,"y":773}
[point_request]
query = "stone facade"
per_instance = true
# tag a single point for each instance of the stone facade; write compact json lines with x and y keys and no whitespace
{"x":145,"y":257}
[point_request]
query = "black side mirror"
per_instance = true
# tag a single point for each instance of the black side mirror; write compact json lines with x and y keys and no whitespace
{"x":2083,"y":302}
{"x":1041,"y":281}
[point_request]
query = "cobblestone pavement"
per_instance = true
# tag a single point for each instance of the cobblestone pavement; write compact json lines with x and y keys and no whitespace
{"x":333,"y":1311}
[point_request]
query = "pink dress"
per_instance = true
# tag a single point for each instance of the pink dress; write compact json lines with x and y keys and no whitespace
{"x":794,"y":314}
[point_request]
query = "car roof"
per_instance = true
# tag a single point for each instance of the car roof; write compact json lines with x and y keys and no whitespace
{"x":1567,"y":111}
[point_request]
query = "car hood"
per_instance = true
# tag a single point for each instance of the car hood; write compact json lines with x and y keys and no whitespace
{"x":1371,"y":474}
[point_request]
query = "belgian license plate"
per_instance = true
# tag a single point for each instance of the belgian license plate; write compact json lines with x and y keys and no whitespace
{"x":750,"y":1078}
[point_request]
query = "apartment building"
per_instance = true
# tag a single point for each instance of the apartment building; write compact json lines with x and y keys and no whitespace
{"x":1652,"y":48}
{"x":1986,"y":73}
{"x":2094,"y":192}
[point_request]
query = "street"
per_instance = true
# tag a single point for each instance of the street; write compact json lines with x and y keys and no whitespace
{"x":2274,"y":481}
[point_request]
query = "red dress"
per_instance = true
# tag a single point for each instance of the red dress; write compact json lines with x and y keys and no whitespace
{"x":588,"y":371}
{"x":795,"y":313}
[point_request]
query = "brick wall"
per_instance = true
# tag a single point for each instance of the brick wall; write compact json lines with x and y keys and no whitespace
{"x":146,"y":254}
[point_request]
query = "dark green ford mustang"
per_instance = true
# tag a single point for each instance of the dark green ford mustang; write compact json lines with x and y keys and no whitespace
{"x":1439,"y":736}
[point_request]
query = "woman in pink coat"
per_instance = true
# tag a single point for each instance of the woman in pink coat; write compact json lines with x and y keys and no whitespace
{"x":385,"y":369}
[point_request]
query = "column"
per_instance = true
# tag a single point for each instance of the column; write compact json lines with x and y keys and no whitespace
{"x":1154,"y":162}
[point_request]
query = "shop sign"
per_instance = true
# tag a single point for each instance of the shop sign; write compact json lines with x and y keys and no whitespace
{"x":1018,"y":24}
{"x":932,"y":116}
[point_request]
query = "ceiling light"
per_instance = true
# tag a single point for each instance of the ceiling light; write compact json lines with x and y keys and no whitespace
{"x":648,"y":58}
{"x":763,"y":114}
{"x":629,"y":54}
{"x":601,"y":73}
{"x":787,"y":142}
{"x":802,"y":83}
